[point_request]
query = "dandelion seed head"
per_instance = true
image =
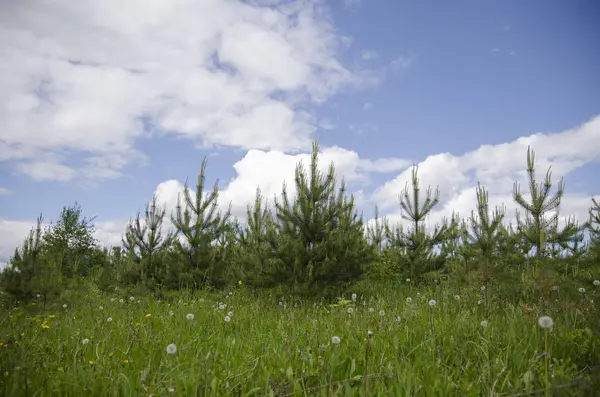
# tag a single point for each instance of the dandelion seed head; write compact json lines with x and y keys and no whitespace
{"x":100,"y":308}
{"x":597,"y":283}
{"x":582,"y":290}
{"x":546,"y":322}
{"x":350,"y":310}
{"x":382,"y":313}
{"x":354,"y":297}
{"x":121,"y":300}
{"x":408,"y":280}
{"x":171,"y":312}
{"x":484,"y":324}
{"x":85,"y":341}
{"x":189,"y":316}
{"x":371,"y":310}
{"x":409,"y":300}
{"x":227,"y":319}
{"x":456,"y":297}
{"x":432,"y":303}
{"x":230,"y":314}
{"x":109,"y":319}
{"x":171,"y":348}
{"x":65,"y":306}
{"x":335,"y":340}
{"x":131,"y":298}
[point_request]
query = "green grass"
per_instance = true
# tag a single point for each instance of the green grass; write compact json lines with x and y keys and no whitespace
{"x":273,"y":348}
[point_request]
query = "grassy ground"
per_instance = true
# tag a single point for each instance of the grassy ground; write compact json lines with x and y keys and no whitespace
{"x":114,"y":345}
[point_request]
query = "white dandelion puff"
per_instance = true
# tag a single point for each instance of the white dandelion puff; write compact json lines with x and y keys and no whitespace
{"x":382,"y":313}
{"x":371,"y":310}
{"x":484,"y":324}
{"x":354,"y":297}
{"x":456,"y":297}
{"x":171,"y":312}
{"x":109,"y":319}
{"x":85,"y":341}
{"x":582,"y":290}
{"x":432,"y":303}
{"x":100,"y":308}
{"x":597,"y":283}
{"x":189,"y":316}
{"x":335,"y":340}
{"x":171,"y":348}
{"x":409,"y":300}
{"x":545,"y":322}
{"x":227,"y":319}
{"x":350,"y":310}
{"x":131,"y":298}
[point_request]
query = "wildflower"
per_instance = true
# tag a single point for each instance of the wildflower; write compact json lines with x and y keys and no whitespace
{"x":85,"y":341}
{"x":52,"y":316}
{"x":125,"y":361}
{"x":92,"y":362}
{"x":189,"y":316}
{"x":350,"y":310}
{"x":354,"y":297}
{"x":336,"y":340}
{"x":582,"y":290}
{"x":545,"y":322}
{"x":100,"y":308}
{"x":484,"y":324}
{"x":227,"y":319}
{"x":409,"y":300}
{"x":121,"y":300}
{"x":456,"y":297}
{"x":240,"y":282}
{"x":109,"y":319}
{"x":432,"y":303}
{"x":148,"y":315}
{"x":171,"y":348}
{"x":45,"y":326}
{"x":382,"y":313}
{"x":597,"y":283}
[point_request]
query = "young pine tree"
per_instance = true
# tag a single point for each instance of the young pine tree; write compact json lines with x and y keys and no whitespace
{"x":483,"y":235}
{"x":537,"y":227}
{"x":417,"y":243}
{"x":201,"y":224}
{"x":144,"y":240}
{"x":321,"y":243}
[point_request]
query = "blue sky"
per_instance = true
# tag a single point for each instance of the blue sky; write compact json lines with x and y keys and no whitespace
{"x":109,"y":114}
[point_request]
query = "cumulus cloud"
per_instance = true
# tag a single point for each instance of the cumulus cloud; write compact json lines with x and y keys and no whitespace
{"x":5,"y":192}
{"x":497,"y":167}
{"x":88,"y":76}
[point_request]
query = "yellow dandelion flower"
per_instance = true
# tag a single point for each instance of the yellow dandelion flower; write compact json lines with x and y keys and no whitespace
{"x":92,"y":362}
{"x":148,"y":315}
{"x":126,"y":361}
{"x":137,"y":324}
{"x":110,"y":354}
{"x":5,"y":373}
{"x":52,"y":316}
{"x":240,"y":282}
{"x":45,"y":326}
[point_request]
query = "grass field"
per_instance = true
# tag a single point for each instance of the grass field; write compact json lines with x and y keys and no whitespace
{"x":400,"y":341}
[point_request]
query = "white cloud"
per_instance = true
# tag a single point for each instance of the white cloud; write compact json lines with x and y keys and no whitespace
{"x":401,"y":62}
{"x":368,"y":106}
{"x":496,"y":167}
{"x":46,"y":171}
{"x":369,"y":55}
{"x":84,"y":76}
{"x":5,"y":192}
{"x":327,"y":124}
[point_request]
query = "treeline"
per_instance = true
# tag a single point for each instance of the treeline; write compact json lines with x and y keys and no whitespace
{"x":314,"y":244}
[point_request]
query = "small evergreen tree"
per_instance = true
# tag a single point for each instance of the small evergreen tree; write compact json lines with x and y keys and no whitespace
{"x":200,"y":223}
{"x":484,"y":234}
{"x":321,"y":242}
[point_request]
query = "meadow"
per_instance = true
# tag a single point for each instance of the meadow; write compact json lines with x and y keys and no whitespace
{"x":395,"y":340}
